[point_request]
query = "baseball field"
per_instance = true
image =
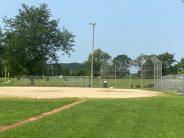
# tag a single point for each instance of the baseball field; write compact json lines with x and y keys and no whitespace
{"x":45,"y":112}
{"x":78,"y":81}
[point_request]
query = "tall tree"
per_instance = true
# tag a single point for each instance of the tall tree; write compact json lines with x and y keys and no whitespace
{"x":1,"y":51}
{"x":122,"y":63}
{"x":168,"y":61}
{"x":100,"y":58}
{"x":180,"y":66}
{"x":1,"y":43}
{"x":148,"y":67}
{"x":33,"y":39}
{"x":145,"y":65}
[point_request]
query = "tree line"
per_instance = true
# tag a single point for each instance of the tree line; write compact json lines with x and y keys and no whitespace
{"x":169,"y":64}
{"x":30,"y":41}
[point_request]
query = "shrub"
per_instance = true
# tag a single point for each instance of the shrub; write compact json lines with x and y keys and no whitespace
{"x":138,"y":86}
{"x":145,"y":86}
{"x":132,"y":86}
{"x":150,"y":85}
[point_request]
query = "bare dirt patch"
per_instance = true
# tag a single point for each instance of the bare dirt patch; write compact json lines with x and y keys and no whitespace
{"x":71,"y":92}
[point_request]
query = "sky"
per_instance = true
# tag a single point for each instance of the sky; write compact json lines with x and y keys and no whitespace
{"x":129,"y":27}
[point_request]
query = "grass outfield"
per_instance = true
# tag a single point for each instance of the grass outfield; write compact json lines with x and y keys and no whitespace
{"x":56,"y":81}
{"x":156,"y":117}
{"x":14,"y":110}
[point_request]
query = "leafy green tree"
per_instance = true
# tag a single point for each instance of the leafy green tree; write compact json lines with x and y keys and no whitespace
{"x":33,"y":38}
{"x":122,"y":63}
{"x":181,"y":71}
{"x":148,"y":68}
{"x":140,"y":59}
{"x":180,"y":66}
{"x":144,"y":62}
{"x":168,"y":63}
{"x":1,"y":34}
{"x":100,"y":58}
{"x":1,"y":42}
{"x":1,"y":51}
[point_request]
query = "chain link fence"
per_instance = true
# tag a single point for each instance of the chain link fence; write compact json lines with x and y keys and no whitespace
{"x":145,"y":73}
{"x":173,"y":83}
{"x":60,"y":81}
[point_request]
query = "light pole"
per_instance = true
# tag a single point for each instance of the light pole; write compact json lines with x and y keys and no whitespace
{"x":142,"y":63}
{"x":93,"y":46}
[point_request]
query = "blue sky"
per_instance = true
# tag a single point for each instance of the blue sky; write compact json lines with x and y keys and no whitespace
{"x":127,"y":27}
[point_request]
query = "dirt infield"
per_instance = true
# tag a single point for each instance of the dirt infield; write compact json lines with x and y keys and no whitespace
{"x":66,"y":92}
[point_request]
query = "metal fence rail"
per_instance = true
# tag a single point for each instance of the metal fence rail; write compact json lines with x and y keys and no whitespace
{"x":145,"y":73}
{"x":173,"y":83}
{"x":63,"y":81}
{"x":126,"y":82}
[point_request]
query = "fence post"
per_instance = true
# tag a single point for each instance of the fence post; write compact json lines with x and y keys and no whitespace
{"x":164,"y":84}
{"x":86,"y":81}
{"x":183,"y":84}
{"x":161,"y":77}
{"x":155,"y":77}
{"x":130,"y":80}
{"x":141,"y":75}
{"x":115,"y":73}
{"x":14,"y":81}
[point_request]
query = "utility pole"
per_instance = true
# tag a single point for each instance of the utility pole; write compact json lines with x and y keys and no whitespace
{"x":5,"y":72}
{"x":52,"y":69}
{"x":93,"y":46}
{"x":142,"y":63}
{"x":115,"y":75}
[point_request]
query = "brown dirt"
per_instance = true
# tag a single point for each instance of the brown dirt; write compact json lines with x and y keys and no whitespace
{"x":66,"y":92}
{"x":43,"y":115}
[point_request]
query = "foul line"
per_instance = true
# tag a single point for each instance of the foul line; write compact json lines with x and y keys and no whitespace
{"x":38,"y":117}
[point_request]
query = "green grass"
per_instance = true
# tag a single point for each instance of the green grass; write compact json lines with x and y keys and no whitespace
{"x":124,"y":83}
{"x":56,"y":81}
{"x":13,"y":110}
{"x":156,"y":117}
